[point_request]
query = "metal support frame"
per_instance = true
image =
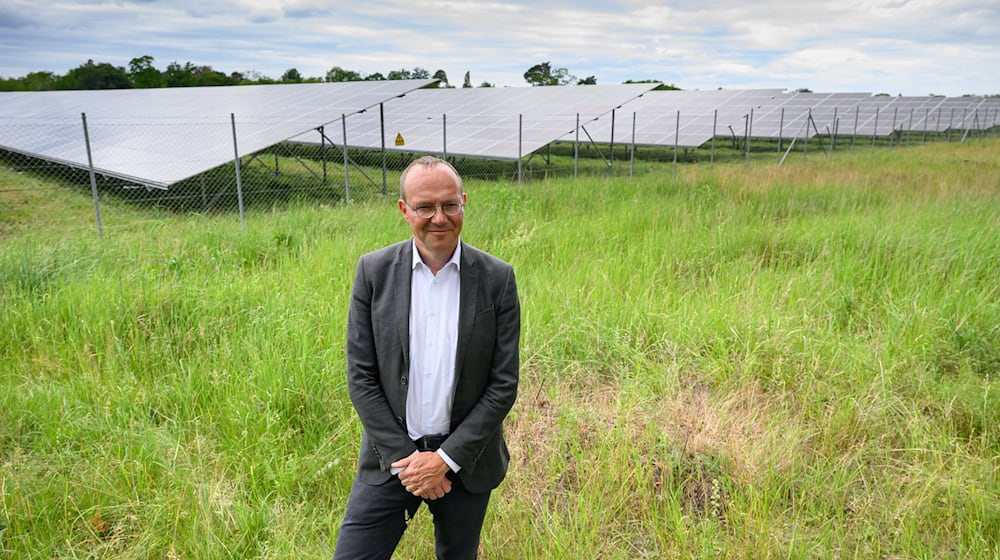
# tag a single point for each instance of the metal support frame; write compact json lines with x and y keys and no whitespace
{"x":576,"y":148}
{"x":715,"y":123}
{"x":93,"y":177}
{"x":239,"y":181}
{"x":631,"y":153}
{"x":677,"y":134}
{"x":347,"y":167}
{"x":520,"y":136}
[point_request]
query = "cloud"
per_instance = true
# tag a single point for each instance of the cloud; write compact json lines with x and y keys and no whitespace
{"x":947,"y":46}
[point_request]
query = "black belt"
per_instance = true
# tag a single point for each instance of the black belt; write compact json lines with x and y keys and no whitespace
{"x":430,"y":443}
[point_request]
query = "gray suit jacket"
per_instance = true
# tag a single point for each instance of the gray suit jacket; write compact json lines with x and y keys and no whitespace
{"x":486,"y":363}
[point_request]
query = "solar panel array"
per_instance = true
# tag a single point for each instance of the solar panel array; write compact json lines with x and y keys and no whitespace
{"x":157,"y":137}
{"x":703,"y":114}
{"x":495,"y":123}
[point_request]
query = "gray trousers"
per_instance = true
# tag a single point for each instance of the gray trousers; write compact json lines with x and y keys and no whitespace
{"x":376,"y":518}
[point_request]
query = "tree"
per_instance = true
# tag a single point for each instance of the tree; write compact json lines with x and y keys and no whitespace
{"x":39,"y":81}
{"x":338,"y":74}
{"x":292,"y":75}
{"x":588,"y":81}
{"x":401,"y":74}
{"x":441,"y":77}
{"x":543,"y":74}
{"x":661,"y":87}
{"x":95,"y":76}
{"x":468,"y":81}
{"x":179,"y":76}
{"x":419,"y":73}
{"x":376,"y":76}
{"x":207,"y":76}
{"x":486,"y":84}
{"x":143,"y":74}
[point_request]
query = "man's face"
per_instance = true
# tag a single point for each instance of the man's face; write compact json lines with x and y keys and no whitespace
{"x":435,"y":237}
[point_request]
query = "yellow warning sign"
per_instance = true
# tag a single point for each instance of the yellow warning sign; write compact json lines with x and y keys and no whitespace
{"x":399,"y":139}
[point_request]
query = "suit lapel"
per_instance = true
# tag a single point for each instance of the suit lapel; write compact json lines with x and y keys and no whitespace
{"x":402,"y":276}
{"x":466,"y":307}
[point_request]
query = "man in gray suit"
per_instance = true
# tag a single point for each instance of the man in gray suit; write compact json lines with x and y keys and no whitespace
{"x":432,"y":369}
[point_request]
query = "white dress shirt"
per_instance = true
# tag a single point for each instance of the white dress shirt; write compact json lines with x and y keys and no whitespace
{"x":434,"y":303}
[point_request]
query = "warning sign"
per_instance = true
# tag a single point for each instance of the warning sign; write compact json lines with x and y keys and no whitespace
{"x":399,"y":140}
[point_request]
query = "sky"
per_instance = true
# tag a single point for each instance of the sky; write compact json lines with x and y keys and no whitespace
{"x":899,"y":47}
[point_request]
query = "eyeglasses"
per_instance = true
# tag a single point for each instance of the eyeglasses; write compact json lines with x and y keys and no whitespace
{"x":427,"y":211}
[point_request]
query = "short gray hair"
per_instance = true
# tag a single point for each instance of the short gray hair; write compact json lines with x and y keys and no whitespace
{"x":427,"y":161}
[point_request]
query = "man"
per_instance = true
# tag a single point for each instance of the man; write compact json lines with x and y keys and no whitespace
{"x":432,"y":370}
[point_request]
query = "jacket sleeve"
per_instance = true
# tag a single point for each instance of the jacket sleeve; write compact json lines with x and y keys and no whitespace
{"x":366,"y":382}
{"x":484,"y":420}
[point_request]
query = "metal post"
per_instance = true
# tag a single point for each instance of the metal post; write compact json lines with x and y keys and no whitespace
{"x":715,"y":122}
{"x":923,"y":139}
{"x":631,"y":154}
{"x":611,"y":167}
{"x":805,"y":139}
{"x":520,"y":133}
{"x":93,"y":177}
{"x":576,"y":147}
{"x":781,"y":130}
{"x":239,"y":180}
{"x":909,"y":127}
{"x":836,"y":124}
{"x":857,"y":113}
{"x":875,"y":130}
{"x":895,"y":112}
{"x":444,"y":135}
{"x":385,"y":170}
{"x":322,"y":150}
{"x":677,"y":133}
{"x":347,"y":168}
{"x":749,"y":136}
{"x":951,"y":119}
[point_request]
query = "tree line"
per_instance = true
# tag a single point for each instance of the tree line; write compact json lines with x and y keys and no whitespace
{"x":141,"y":73}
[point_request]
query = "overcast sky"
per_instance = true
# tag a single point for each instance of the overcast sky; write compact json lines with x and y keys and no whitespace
{"x":909,"y":47}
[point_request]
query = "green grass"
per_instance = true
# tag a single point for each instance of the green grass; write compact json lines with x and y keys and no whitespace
{"x":763,"y":362}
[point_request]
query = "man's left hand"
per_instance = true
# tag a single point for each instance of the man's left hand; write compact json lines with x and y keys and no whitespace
{"x":423,"y":475}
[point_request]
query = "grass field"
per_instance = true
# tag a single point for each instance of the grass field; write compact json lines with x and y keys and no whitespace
{"x":774,"y":362}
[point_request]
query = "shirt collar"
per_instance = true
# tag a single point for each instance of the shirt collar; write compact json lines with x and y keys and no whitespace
{"x":456,"y":257}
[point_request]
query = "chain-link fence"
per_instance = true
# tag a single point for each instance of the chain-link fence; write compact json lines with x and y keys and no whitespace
{"x":182,"y":166}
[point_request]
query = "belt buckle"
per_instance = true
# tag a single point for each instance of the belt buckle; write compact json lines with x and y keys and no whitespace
{"x":432,"y":443}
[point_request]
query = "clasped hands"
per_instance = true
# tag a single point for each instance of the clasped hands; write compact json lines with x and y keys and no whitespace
{"x":423,"y":475}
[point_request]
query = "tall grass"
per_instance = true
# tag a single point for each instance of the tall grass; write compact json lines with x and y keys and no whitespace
{"x":795,"y":361}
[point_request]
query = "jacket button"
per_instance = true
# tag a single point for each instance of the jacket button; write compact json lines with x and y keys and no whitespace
{"x":403,"y":380}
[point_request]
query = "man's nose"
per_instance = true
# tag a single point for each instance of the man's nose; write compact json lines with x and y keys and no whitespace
{"x":439,"y":216}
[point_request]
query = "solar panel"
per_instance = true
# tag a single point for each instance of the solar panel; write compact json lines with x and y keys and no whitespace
{"x":703,"y":114}
{"x":496,"y":123}
{"x":157,"y":137}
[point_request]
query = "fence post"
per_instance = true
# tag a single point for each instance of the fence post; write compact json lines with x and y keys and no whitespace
{"x":747,"y":143}
{"x":347,"y":166}
{"x":781,"y":131}
{"x":520,"y":129}
{"x":93,"y":177}
{"x":677,"y":133}
{"x":322,"y":150}
{"x":875,"y":130}
{"x":715,"y":122}
{"x":239,"y":180}
{"x":612,"y":166}
{"x":631,"y":154}
{"x":857,"y":113}
{"x":576,"y":147}
{"x":444,"y":134}
{"x":895,"y":113}
{"x":381,"y":120}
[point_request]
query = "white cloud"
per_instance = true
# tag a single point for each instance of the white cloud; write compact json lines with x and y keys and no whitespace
{"x":918,"y":45}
